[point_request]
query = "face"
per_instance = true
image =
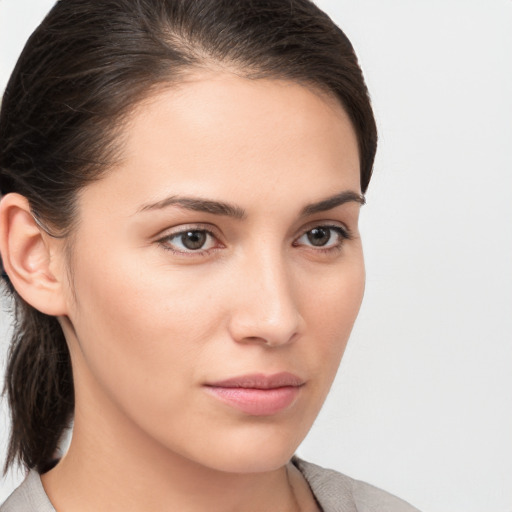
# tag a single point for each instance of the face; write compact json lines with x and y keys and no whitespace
{"x":218,"y":270}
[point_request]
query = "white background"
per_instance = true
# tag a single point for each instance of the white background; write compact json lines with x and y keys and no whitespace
{"x":423,"y":402}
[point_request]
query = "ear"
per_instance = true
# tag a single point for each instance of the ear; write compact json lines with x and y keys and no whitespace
{"x":32,"y":259}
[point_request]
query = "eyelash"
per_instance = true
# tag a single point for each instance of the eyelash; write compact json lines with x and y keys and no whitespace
{"x":342,"y":232}
{"x":164,"y":241}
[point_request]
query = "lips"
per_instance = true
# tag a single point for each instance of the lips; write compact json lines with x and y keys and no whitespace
{"x":258,"y":394}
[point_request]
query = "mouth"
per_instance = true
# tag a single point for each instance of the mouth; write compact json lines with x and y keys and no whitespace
{"x":258,"y":394}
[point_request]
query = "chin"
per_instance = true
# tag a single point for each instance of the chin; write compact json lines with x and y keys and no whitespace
{"x":253,"y":450}
{"x":250,"y":461}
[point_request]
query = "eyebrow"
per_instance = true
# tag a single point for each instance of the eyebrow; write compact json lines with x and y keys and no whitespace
{"x":346,"y":196}
{"x":199,"y":205}
{"x":229,"y":210}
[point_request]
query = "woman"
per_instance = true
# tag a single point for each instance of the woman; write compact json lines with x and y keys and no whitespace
{"x":181,"y":185}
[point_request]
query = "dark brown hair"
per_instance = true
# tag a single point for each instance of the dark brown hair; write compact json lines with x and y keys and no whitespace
{"x":81,"y":73}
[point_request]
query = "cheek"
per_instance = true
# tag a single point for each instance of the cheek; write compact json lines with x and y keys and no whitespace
{"x":140,"y":334}
{"x":335,"y":297}
{"x":330,"y":312}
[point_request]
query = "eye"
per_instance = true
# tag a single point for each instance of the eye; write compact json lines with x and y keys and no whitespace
{"x":189,"y":240}
{"x":324,"y":237}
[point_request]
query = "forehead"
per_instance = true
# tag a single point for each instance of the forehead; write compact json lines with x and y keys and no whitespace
{"x":222,"y":135}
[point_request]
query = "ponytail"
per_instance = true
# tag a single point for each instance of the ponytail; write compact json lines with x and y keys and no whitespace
{"x":39,"y":388}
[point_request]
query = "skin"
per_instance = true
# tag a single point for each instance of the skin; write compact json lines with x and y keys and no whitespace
{"x":149,"y":323}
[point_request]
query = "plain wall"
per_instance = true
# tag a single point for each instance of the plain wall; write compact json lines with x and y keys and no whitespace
{"x":422,"y":405}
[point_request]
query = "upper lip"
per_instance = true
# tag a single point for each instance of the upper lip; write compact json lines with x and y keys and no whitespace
{"x":259,"y":381}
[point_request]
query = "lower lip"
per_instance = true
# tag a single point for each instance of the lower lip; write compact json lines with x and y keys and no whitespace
{"x":257,"y":402}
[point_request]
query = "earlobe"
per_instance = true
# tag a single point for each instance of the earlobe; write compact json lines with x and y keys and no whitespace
{"x":29,"y":257}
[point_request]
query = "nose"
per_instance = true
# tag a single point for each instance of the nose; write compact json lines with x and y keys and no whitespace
{"x":265,"y":310}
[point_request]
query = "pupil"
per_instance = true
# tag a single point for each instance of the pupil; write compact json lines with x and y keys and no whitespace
{"x":319,"y":236}
{"x":193,"y":239}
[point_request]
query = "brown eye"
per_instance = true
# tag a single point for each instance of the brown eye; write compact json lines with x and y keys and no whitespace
{"x":193,"y":240}
{"x":319,"y":236}
{"x":189,"y":241}
{"x":323,"y":237}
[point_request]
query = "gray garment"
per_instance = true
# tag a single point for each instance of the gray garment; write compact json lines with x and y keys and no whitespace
{"x":336,"y":492}
{"x":28,"y":497}
{"x":333,"y":491}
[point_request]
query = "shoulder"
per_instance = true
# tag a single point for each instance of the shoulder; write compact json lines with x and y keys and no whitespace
{"x":28,"y":497}
{"x":336,"y":492}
